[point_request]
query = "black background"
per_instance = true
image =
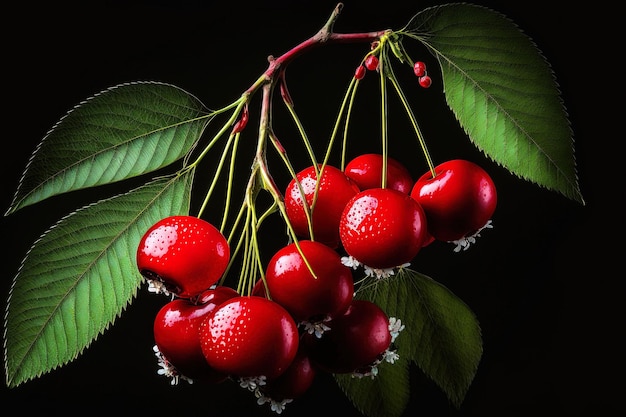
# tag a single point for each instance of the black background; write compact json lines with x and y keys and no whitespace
{"x":546,"y":283}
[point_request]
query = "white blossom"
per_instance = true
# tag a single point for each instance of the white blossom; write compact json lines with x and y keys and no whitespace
{"x":158,"y":287}
{"x":167,"y":369}
{"x":395,"y":327}
{"x":350,"y":262}
{"x":276,"y":406}
{"x":378,"y":273}
{"x":318,"y":327}
{"x":465,"y":242}
{"x":252,"y":383}
{"x":391,"y":356}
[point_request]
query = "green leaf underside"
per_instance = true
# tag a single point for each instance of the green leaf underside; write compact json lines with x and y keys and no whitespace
{"x":124,"y":131}
{"x":502,"y":91}
{"x":386,"y":395}
{"x":442,"y":336}
{"x":80,"y":275}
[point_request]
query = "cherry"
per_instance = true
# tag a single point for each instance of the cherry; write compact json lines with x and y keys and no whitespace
{"x":326,"y":202}
{"x":383,"y":228}
{"x":425,"y":81}
{"x":307,"y":297}
{"x":371,"y":62}
{"x":249,"y":336}
{"x":294,"y":382}
{"x":419,"y":68}
{"x":357,"y":339}
{"x":177,"y":335}
{"x":366,"y":171}
{"x":183,"y":255}
{"x":458,"y":201}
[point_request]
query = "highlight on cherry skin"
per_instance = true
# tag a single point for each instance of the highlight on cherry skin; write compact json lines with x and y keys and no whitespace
{"x":330,"y":196}
{"x":309,"y":298}
{"x":249,"y":336}
{"x":182,"y":255}
{"x":177,"y":336}
{"x":458,"y":201}
{"x":382,"y":229}
{"x":366,"y":170}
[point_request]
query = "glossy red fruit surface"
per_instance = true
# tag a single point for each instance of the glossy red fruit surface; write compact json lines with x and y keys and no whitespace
{"x":371,"y":62}
{"x":334,"y":191}
{"x":425,"y":81}
{"x":458,"y":201}
{"x":249,"y":336}
{"x":419,"y":68}
{"x":308,"y":297}
{"x":366,"y":171}
{"x":295,"y":381}
{"x":177,"y":333}
{"x":359,"y":73}
{"x":383,"y":228}
{"x":184,"y":254}
{"x":356,"y":339}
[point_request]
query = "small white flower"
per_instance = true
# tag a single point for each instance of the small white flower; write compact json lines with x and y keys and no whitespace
{"x":167,"y":369}
{"x":276,"y":406}
{"x":466,"y":241}
{"x":384,"y":272}
{"x":318,"y":327}
{"x":279,"y":406}
{"x":158,"y":287}
{"x":372,"y":372}
{"x":350,"y":262}
{"x":395,"y":327}
{"x":252,"y":383}
{"x":391,"y":356}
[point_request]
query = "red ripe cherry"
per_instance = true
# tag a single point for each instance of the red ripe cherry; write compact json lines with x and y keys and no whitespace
{"x":419,"y":68}
{"x":305,"y":296}
{"x":325,"y":203}
{"x":359,"y":73}
{"x":371,"y":62}
{"x":182,"y":255}
{"x":366,"y":171}
{"x":356,"y":340}
{"x":177,"y":333}
{"x":249,"y":336}
{"x":458,"y":201}
{"x":425,"y":81}
{"x":294,"y":382}
{"x":383,"y":228}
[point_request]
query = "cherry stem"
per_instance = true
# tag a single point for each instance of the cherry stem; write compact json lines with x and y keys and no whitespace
{"x":260,"y":178}
{"x":418,"y":132}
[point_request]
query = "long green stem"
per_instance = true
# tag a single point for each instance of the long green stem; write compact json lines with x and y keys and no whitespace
{"x":352,"y":89}
{"x":383,"y":122}
{"x":412,"y":118}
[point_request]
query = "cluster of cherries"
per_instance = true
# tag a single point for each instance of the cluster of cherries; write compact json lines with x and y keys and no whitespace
{"x":371,"y":63}
{"x":302,"y":318}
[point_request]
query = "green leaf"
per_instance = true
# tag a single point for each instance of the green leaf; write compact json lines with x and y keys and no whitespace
{"x":441,"y":335}
{"x":122,"y":132}
{"x":80,"y":275}
{"x":502,"y":91}
{"x":386,"y":395}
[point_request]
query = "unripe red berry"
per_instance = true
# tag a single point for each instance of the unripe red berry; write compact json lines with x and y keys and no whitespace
{"x":425,"y":81}
{"x":419,"y":68}
{"x":360,"y":72}
{"x":371,"y":62}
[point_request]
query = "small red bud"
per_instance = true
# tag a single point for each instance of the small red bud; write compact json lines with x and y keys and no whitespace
{"x":360,"y":72}
{"x":242,"y":122}
{"x":425,"y":81}
{"x":371,"y":62}
{"x":419,"y":68}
